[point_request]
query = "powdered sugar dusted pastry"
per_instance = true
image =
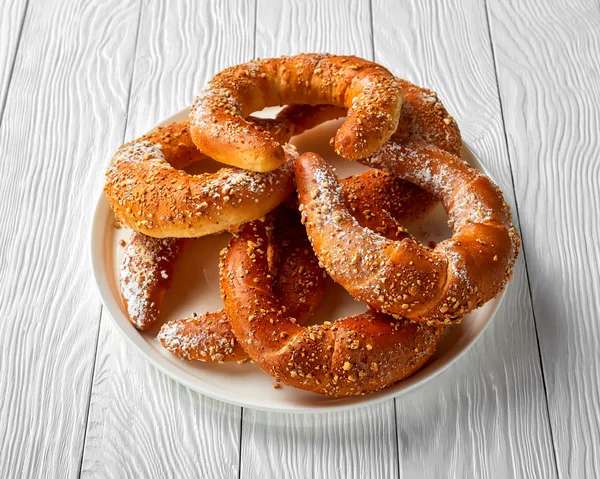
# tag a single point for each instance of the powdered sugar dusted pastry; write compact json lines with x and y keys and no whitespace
{"x":149,"y":195}
{"x":146,"y":273}
{"x":370,"y":93}
{"x":353,"y":356}
{"x":297,"y":280}
{"x":404,"y":278}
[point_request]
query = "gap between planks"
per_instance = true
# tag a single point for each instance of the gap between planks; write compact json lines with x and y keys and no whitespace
{"x":517,"y":215}
{"x":11,"y":67}
{"x":91,"y":389}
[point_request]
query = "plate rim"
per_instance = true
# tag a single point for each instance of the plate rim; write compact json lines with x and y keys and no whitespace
{"x":98,"y":258}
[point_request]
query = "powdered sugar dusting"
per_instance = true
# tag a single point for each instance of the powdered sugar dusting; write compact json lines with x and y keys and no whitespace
{"x":436,"y":285}
{"x":144,"y":275}
{"x":200,"y":338}
{"x":217,"y":115}
{"x":149,"y":195}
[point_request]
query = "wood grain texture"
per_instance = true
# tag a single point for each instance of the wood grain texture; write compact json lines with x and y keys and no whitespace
{"x":357,"y":443}
{"x":144,"y":424}
{"x":486,"y":416}
{"x":341,"y":27}
{"x":51,"y":158}
{"x":549,"y":76}
{"x":12,"y":14}
{"x":170,"y":430}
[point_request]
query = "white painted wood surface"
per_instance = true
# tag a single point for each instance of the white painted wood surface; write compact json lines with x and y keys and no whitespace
{"x":523,"y":81}
{"x":59,"y":125}
{"x":171,"y":430}
{"x":548,"y":65}
{"x":12,"y":14}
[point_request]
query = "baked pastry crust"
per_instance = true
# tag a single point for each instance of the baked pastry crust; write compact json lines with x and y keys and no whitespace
{"x":353,"y":356}
{"x":149,"y":194}
{"x":298,"y":282}
{"x":404,"y":278}
{"x":371,"y":94}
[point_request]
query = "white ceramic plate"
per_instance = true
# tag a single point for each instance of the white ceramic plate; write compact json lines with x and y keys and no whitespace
{"x":196,"y":289}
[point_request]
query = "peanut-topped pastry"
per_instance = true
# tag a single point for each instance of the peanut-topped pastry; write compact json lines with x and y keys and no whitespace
{"x":150,"y":192}
{"x":405,"y":278}
{"x":146,"y":274}
{"x":351,"y":356}
{"x":298,"y":282}
{"x":370,"y":93}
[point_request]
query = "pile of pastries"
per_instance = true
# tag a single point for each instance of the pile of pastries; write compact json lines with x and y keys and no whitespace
{"x":294,"y":223}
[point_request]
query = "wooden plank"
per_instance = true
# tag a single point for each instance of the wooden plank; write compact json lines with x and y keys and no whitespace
{"x":172,"y":431}
{"x":288,"y":28}
{"x":358,"y":443}
{"x":549,"y":77}
{"x":12,"y":15}
{"x":486,"y":416}
{"x":67,"y":86}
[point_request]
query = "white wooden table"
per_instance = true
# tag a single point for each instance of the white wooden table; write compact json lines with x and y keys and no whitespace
{"x":77,"y":78}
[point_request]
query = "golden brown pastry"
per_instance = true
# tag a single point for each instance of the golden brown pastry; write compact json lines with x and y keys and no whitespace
{"x":355,"y":355}
{"x":403,"y":277}
{"x":298,"y":281}
{"x":146,"y":274}
{"x":148,"y":194}
{"x":370,"y":93}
